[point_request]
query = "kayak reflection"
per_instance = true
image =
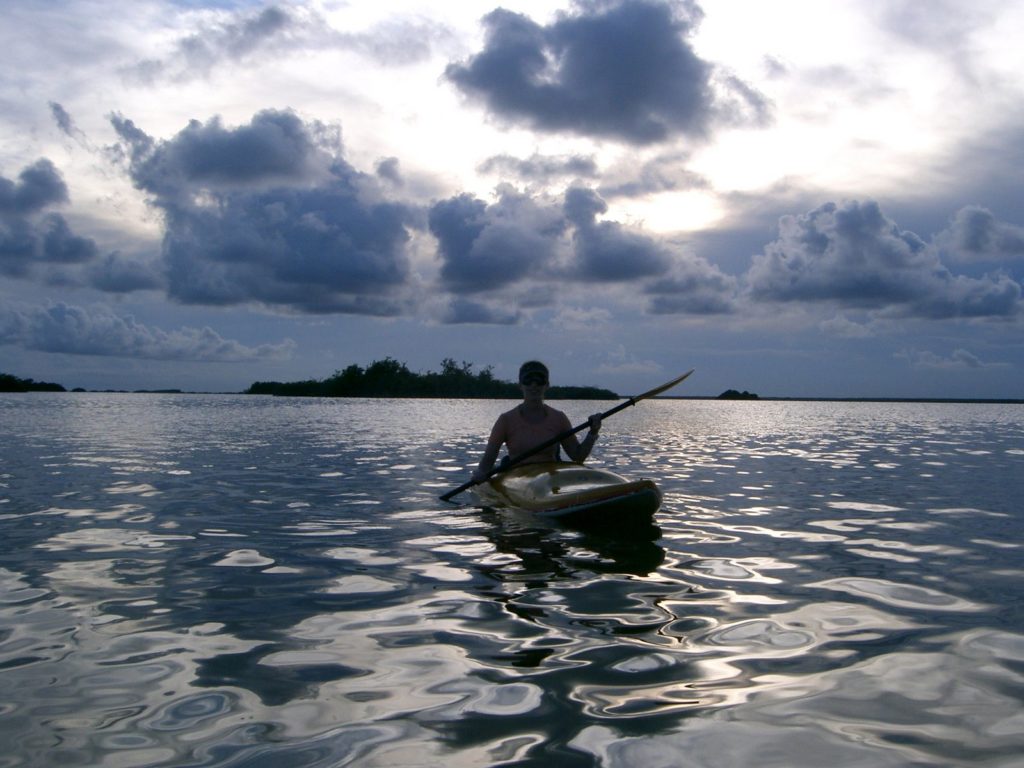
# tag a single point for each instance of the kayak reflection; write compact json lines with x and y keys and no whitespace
{"x":549,"y":549}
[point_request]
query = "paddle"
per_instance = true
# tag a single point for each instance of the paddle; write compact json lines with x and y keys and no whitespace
{"x":561,"y":436}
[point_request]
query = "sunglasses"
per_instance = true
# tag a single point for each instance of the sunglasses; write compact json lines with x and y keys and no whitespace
{"x":534,"y":378}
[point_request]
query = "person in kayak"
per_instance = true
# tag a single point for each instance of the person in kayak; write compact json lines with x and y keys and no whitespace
{"x":531,"y":423}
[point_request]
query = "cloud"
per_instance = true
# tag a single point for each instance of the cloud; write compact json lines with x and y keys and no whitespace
{"x":224,"y":38}
{"x":695,"y":287}
{"x":30,"y":235}
{"x":274,"y":148}
{"x":623,"y":71}
{"x":270,"y":213}
{"x":117,"y":274}
{"x":518,"y":239}
{"x":39,"y":186}
{"x":98,"y":331}
{"x":541,"y":168}
{"x":49,"y":240}
{"x":843,"y":327}
{"x":61,"y":245}
{"x":976,"y":235}
{"x":389,"y":169}
{"x":618,"y":361}
{"x":853,"y":256}
{"x":606,"y":251}
{"x":32,"y":238}
{"x":462,"y":310}
{"x":234,"y":39}
{"x":487,"y":247}
{"x":665,"y":173}
{"x":960,"y":359}
{"x":580,"y":319}
{"x":396,"y":42}
{"x":64,"y":121}
{"x":947,"y":26}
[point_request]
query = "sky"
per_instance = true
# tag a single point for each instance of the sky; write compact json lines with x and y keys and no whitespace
{"x":796,"y":198}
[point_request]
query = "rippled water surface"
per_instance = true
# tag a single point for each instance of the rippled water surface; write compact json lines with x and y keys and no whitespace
{"x":249,"y":581}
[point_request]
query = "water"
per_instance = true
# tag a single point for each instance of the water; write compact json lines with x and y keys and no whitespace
{"x":247,"y":581}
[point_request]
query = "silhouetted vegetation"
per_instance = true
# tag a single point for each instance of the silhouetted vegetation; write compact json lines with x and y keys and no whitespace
{"x":390,"y":378}
{"x":9,"y":383}
{"x":732,"y":394}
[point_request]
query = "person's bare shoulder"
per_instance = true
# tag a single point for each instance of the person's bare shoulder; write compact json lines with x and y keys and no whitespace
{"x":560,"y":415}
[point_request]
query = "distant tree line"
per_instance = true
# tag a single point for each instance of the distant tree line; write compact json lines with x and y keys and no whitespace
{"x":9,"y":383}
{"x":390,"y":378}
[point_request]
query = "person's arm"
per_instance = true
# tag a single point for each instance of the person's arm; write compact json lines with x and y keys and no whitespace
{"x":579,"y":451}
{"x":494,"y":443}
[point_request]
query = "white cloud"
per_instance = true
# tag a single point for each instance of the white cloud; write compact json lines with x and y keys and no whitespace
{"x":619,"y":361}
{"x":581,"y":319}
{"x":959,"y":359}
{"x":843,"y":327}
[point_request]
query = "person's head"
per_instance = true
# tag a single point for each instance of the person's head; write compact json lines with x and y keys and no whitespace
{"x":533,"y":372}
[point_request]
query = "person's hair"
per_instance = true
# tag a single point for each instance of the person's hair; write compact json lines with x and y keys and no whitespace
{"x":533,"y":366}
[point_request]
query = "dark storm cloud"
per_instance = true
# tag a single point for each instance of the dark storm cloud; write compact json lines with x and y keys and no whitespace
{"x":39,"y":185}
{"x":606,"y":251}
{"x":116,"y":274}
{"x":269,"y":212}
{"x":518,"y":239}
{"x":98,"y":331}
{"x":274,"y":147}
{"x":854,"y":256}
{"x":467,"y":311}
{"x":487,"y":247}
{"x":60,"y":245}
{"x":695,"y":288}
{"x":29,"y":234}
{"x":623,"y":71}
{"x":18,"y":246}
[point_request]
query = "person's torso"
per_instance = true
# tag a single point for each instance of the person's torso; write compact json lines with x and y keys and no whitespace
{"x":522,"y":434}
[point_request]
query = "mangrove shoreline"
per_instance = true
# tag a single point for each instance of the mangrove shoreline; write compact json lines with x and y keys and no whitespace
{"x":390,"y":378}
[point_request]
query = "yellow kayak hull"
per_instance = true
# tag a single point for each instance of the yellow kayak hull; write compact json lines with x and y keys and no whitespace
{"x":571,"y":491}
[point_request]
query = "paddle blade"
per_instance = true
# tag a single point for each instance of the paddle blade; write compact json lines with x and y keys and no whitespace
{"x":663,"y":387}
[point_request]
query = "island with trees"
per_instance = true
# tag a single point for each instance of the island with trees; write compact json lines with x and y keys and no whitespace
{"x":11,"y":383}
{"x":732,"y":394}
{"x":391,"y":378}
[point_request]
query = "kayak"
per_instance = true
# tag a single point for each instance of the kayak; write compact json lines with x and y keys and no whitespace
{"x":571,"y":492}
